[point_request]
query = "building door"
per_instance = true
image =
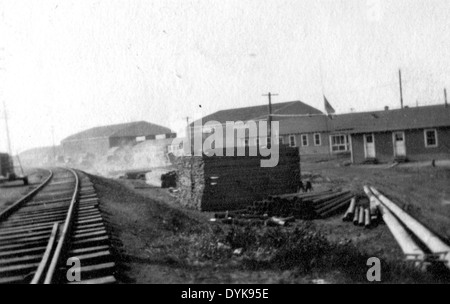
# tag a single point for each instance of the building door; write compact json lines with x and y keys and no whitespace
{"x":369,"y":146}
{"x":399,"y":144}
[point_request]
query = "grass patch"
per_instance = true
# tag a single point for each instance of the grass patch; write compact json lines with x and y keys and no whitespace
{"x":303,"y":251}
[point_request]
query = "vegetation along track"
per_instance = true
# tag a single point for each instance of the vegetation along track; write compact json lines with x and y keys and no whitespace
{"x":56,"y":234}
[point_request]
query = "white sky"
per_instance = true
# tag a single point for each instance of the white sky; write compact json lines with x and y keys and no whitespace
{"x":79,"y":64}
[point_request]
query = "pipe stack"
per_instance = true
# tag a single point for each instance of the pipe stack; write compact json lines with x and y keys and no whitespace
{"x":360,"y":215}
{"x":306,"y":206}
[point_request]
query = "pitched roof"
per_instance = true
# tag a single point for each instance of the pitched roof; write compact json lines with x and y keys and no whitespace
{"x":392,"y":120}
{"x":140,"y":128}
{"x":260,"y":112}
{"x":375,"y":121}
{"x":305,"y":125}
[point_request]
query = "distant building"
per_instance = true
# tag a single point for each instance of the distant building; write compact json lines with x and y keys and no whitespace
{"x":312,"y":135}
{"x":97,"y":141}
{"x":420,"y":133}
{"x":255,"y":113}
{"x":416,"y":134}
{"x":42,"y":156}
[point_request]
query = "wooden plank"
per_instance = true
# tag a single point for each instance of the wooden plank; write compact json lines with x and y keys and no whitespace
{"x":85,"y":218}
{"x":13,"y":280}
{"x":21,"y":251}
{"x":17,"y":268}
{"x":83,"y":231}
{"x":90,"y":234}
{"x":90,"y":240}
{"x":37,"y":221}
{"x":45,"y":214}
{"x":85,"y":221}
{"x":25,"y":230}
{"x":93,"y":255}
{"x":23,"y":235}
{"x":26,"y":258}
{"x":33,"y":226}
{"x":97,"y":267}
{"x":25,"y":240}
{"x":88,"y":249}
{"x":86,"y":226}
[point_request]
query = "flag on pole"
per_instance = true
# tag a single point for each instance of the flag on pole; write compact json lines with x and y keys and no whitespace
{"x":330,"y":110}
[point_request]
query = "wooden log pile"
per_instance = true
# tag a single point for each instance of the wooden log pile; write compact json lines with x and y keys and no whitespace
{"x":219,"y":183}
{"x":283,"y":209}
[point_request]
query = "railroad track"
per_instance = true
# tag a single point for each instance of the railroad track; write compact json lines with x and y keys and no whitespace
{"x":56,"y":234}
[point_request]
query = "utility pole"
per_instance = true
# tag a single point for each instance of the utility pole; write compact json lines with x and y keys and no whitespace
{"x":188,"y":129}
{"x":53,"y":142}
{"x":7,"y":129}
{"x":445,"y":95}
{"x":401,"y":89}
{"x":188,"y":136}
{"x":269,"y":116}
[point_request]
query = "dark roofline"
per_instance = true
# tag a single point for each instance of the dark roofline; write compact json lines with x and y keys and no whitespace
{"x":412,"y":111}
{"x":285,"y":103}
{"x":406,"y":108}
{"x":79,"y":135}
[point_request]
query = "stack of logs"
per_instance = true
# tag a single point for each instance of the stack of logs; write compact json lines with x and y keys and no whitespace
{"x":283,"y":209}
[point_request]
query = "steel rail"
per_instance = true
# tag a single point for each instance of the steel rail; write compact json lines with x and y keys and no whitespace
{"x":65,"y":233}
{"x":11,"y":209}
{"x":45,"y":259}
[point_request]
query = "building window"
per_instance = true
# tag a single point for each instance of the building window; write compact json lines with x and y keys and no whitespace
{"x":282,"y":140}
{"x":339,"y":143}
{"x":292,"y":142}
{"x":268,"y":141}
{"x":246,"y":142}
{"x":317,"y":139}
{"x":431,"y":140}
{"x":140,"y":138}
{"x":305,"y":140}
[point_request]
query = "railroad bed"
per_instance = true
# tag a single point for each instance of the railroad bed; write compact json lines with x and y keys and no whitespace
{"x":46,"y":233}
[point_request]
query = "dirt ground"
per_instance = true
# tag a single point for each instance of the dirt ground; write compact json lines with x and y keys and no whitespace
{"x":12,"y":191}
{"x":160,"y":242}
{"x":154,"y":235}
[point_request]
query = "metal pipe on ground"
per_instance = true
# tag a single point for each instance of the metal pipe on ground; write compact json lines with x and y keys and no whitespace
{"x":327,"y":198}
{"x":303,"y":195}
{"x":373,"y":203}
{"x":333,"y":200}
{"x":336,"y":208}
{"x":432,"y":241}
{"x":361,"y":216}
{"x":350,"y":211}
{"x":356,"y":217}
{"x":367,"y":222}
{"x":409,"y":247}
{"x":333,"y":203}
